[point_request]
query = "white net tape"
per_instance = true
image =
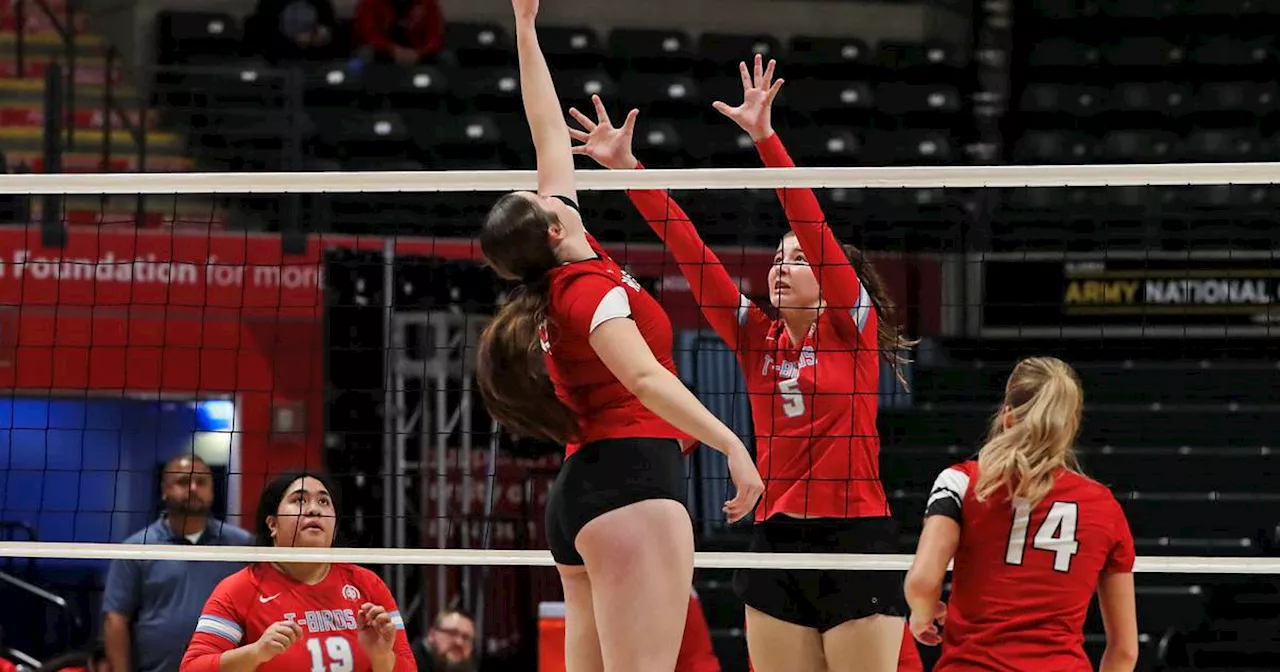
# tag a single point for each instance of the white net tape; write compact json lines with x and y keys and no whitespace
{"x":461,"y":557}
{"x":1120,"y":175}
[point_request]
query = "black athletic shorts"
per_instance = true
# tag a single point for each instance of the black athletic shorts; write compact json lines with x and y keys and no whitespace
{"x":817,"y":598}
{"x":607,"y":475}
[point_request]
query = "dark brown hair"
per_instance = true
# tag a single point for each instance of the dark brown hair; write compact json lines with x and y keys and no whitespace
{"x":889,"y":335}
{"x":511,"y":372}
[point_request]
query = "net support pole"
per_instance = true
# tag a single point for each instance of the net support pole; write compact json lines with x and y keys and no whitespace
{"x":486,"y":542}
{"x":440,"y":425}
{"x":52,"y":232}
{"x":390,"y":414}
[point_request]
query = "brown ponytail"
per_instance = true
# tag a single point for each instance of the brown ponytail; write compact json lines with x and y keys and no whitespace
{"x":511,"y":372}
{"x":889,"y":336}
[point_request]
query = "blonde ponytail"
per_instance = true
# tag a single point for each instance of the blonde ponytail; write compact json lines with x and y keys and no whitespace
{"x":1044,"y":400}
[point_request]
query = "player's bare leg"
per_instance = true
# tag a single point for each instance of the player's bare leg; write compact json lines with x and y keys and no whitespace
{"x":581,"y":642}
{"x":640,"y":559}
{"x":868,"y":644}
{"x":778,"y":646}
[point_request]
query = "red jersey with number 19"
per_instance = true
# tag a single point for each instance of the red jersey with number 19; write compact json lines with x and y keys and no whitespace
{"x":248,"y":602}
{"x":584,"y":295}
{"x":1024,"y":575}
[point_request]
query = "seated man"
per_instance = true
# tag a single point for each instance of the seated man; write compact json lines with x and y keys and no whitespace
{"x":449,"y":645}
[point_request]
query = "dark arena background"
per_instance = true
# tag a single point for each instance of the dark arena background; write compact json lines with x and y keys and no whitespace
{"x":334,"y":327}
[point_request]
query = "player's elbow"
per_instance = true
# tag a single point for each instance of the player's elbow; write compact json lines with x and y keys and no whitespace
{"x":647,"y":383}
{"x":919,"y":586}
{"x":1120,"y":655}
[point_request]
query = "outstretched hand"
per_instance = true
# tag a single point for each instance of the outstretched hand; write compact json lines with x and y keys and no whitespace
{"x":525,"y":9}
{"x":758,"y":91}
{"x":609,"y":146}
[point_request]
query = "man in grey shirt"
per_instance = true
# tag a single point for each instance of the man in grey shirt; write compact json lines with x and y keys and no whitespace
{"x":151,"y":606}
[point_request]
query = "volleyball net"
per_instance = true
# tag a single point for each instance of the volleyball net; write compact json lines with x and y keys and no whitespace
{"x":139,"y":321}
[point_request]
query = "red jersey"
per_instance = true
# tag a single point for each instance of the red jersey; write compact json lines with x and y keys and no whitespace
{"x":248,"y":602}
{"x":584,"y":295}
{"x":1024,"y":576}
{"x":813,"y":403}
{"x":697,"y":654}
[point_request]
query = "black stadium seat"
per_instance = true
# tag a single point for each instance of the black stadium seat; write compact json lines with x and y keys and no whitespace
{"x":420,"y":86}
{"x":571,"y":47}
{"x":577,"y":86}
{"x":651,"y":50}
{"x":894,"y":98}
{"x":663,"y":95}
{"x":659,"y":139}
{"x":723,"y":51}
{"x":490,"y":89}
{"x":830,"y":97}
{"x":479,"y":44}
{"x":825,"y":147}
{"x":1064,"y":52}
{"x":332,"y":85}
{"x":827,"y":56}
{"x":348,"y":134}
{"x":184,"y":35}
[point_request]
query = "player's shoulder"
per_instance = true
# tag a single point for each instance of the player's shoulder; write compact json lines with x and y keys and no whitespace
{"x":360,"y":577}
{"x":238,"y":586}
{"x":582,"y":275}
{"x":1080,"y":486}
{"x":967,"y":470}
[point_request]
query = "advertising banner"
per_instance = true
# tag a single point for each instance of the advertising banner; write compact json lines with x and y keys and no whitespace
{"x":1156,"y":294}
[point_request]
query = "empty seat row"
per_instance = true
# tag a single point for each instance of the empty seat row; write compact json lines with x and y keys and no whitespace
{"x":184,"y":34}
{"x":497,"y":89}
{"x":1155,"y":9}
{"x":383,"y":134}
{"x":1144,"y":146}
{"x":1066,"y":52}
{"x":1163,"y":98}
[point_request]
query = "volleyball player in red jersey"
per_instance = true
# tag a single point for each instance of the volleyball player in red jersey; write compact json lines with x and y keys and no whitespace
{"x":813,"y":379}
{"x":581,"y":355}
{"x":1032,"y":538}
{"x":285,"y":617}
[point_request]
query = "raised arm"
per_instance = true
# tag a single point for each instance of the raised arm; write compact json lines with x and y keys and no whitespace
{"x":726,"y":309}
{"x":837,"y":279}
{"x":542,"y":108}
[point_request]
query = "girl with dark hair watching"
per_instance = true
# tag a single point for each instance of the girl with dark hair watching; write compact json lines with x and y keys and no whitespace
{"x":581,"y":355}
{"x":813,"y":378}
{"x":282,"y":617}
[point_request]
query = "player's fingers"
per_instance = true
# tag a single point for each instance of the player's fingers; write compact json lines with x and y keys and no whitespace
{"x":602,"y":115}
{"x":745,"y":74}
{"x":759,"y":71}
{"x":578,"y":149}
{"x":582,"y":119}
{"x":773,"y":91}
{"x":629,"y":126}
{"x":768,"y":73}
{"x":723,"y":108}
{"x":579,"y":135}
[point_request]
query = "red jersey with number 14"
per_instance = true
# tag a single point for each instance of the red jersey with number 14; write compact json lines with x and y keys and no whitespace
{"x":248,"y":602}
{"x":1024,"y":575}
{"x":584,"y":295}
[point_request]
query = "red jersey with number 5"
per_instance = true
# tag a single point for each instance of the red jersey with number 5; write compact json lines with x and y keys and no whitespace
{"x":584,"y":295}
{"x":248,"y":602}
{"x":1024,"y":576}
{"x":814,"y":403}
